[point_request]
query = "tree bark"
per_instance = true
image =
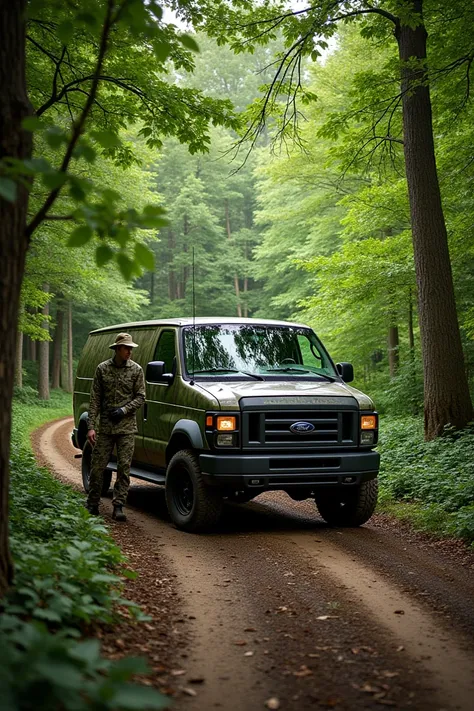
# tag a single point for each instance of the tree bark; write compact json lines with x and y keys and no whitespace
{"x":393,"y":350}
{"x":411,"y":335}
{"x":69,"y":370}
{"x":171,"y":272}
{"x":447,"y":399}
{"x":43,"y":356}
{"x":15,"y":143}
{"x":19,"y":360}
{"x":236,"y":279}
{"x":57,"y":348}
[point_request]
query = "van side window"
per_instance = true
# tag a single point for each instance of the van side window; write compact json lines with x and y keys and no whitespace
{"x":166,"y":349}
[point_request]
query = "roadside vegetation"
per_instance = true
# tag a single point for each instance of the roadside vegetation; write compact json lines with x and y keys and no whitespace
{"x":68,"y":579}
{"x":430,"y":484}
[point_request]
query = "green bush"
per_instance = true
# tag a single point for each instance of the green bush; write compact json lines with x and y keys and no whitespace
{"x":401,"y":395}
{"x":437,"y":475}
{"x":40,"y":671}
{"x":68,"y":575}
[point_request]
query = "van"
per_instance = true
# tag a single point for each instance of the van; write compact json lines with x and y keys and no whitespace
{"x":235,"y":407}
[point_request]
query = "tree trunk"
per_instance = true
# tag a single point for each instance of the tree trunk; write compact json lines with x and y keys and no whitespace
{"x":43,"y":356}
{"x":69,"y":371}
{"x":57,"y":348}
{"x":447,"y":398}
{"x":32,"y":350}
{"x":393,"y":352}
{"x":236,"y":279}
{"x":411,"y":335}
{"x":171,"y":272}
{"x":19,"y":360}
{"x":16,"y":143}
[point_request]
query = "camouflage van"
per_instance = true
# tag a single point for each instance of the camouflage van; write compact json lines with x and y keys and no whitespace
{"x":235,"y":407}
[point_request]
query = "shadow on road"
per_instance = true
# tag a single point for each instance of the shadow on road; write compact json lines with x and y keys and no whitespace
{"x":269,"y":512}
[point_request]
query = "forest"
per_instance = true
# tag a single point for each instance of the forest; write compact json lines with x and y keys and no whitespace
{"x":251,"y":160}
{"x":313,"y":227}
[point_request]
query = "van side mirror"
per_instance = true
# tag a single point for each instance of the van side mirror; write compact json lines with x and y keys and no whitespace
{"x":346,"y":371}
{"x":155,"y":373}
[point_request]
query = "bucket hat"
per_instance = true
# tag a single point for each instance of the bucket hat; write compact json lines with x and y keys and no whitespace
{"x":123,"y":339}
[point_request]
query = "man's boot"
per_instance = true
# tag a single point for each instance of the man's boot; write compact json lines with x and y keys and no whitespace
{"x":93,"y":509}
{"x":118,"y":514}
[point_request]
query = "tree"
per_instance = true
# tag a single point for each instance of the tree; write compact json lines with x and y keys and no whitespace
{"x":447,"y":398}
{"x":125,"y":28}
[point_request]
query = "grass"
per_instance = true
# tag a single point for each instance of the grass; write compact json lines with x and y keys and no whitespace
{"x":30,"y":413}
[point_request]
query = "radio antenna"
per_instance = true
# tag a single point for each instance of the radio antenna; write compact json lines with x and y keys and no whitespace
{"x":194,"y":324}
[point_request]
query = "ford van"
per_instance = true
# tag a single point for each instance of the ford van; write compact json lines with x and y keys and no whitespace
{"x":235,"y":407}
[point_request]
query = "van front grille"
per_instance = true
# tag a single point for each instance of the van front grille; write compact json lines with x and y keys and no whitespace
{"x":299,"y":429}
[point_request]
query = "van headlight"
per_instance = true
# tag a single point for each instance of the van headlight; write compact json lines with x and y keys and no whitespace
{"x":368,"y":429}
{"x":222,"y":430}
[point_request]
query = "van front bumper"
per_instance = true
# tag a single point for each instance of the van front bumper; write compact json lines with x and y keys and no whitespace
{"x":281,"y":471}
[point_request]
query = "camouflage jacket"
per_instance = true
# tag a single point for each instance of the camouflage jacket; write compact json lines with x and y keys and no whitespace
{"x":114,"y":387}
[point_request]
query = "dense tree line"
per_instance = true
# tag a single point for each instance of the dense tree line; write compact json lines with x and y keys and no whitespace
{"x":339,"y":214}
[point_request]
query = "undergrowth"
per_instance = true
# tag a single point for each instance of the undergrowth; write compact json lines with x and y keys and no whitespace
{"x":434,"y":481}
{"x":68,"y":577}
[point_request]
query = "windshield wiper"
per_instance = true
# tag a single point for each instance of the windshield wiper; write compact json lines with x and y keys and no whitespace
{"x":228,"y":370}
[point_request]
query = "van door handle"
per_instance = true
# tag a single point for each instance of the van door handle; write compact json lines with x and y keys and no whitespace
{"x":145,"y":411}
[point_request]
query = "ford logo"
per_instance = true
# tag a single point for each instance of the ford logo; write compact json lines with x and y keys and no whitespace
{"x":302,"y":427}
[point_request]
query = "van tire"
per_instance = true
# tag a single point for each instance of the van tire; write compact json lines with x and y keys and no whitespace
{"x":351,"y":507}
{"x":193,"y":507}
{"x":86,"y":469}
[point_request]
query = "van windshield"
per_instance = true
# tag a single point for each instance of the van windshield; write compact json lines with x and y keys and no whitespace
{"x":229,"y":349}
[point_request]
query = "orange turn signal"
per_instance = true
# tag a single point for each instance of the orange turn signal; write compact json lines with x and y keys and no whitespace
{"x":209,"y":421}
{"x":226,"y":424}
{"x":368,"y":422}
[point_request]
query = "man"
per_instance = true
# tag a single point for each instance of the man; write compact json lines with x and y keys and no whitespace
{"x":117,"y":392}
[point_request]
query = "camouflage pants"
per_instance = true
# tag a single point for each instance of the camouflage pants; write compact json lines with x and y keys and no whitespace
{"x":101,"y":455}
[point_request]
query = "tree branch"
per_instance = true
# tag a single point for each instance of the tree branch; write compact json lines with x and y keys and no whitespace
{"x":79,"y":127}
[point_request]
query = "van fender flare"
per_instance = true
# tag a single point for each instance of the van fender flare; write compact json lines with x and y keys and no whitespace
{"x":82,"y":430}
{"x":191,"y":430}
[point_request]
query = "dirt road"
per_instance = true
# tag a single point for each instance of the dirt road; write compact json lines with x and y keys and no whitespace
{"x":280,"y":611}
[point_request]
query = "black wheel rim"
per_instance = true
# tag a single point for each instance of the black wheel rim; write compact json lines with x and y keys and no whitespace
{"x":183,"y":492}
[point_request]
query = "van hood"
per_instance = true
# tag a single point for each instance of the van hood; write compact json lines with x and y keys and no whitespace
{"x":229,"y":394}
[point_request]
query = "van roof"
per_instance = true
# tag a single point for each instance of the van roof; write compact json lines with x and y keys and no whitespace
{"x":199,"y":322}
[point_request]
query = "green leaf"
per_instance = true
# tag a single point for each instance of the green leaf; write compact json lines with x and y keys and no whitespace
{"x":124,"y":668}
{"x":87,"y":651}
{"x":80,"y":236}
{"x":37,"y":165}
{"x":144,"y":256}
{"x":88,"y":19}
{"x":85,"y":151}
{"x":111,"y":195}
{"x":55,"y":137}
{"x":126,"y":266}
{"x":131,"y":697}
{"x":121,"y":235}
{"x":46,"y":614}
{"x":130,"y":574}
{"x":7,"y":189}
{"x":103,"y":254}
{"x":153,"y":210}
{"x":65,"y":31}
{"x":54,"y":179}
{"x":162,"y":50}
{"x":32,"y":123}
{"x":189,"y":42}
{"x":107,"y":139}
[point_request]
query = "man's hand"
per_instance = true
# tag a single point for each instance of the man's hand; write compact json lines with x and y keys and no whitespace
{"x":91,"y":436}
{"x":117,"y":414}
